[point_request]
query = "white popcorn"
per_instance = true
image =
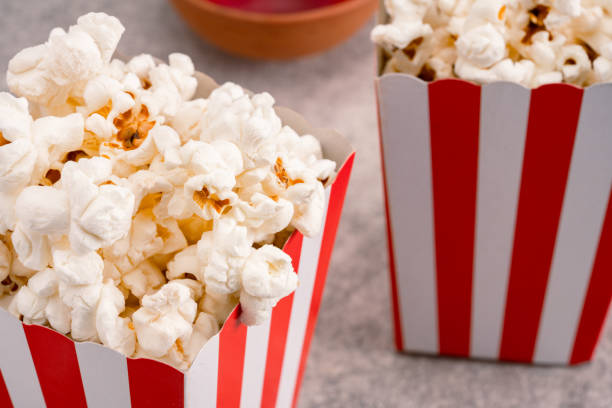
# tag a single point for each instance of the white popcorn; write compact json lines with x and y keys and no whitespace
{"x":143,"y":279}
{"x":51,"y":73}
{"x":30,"y":306}
{"x":82,"y":301}
{"x":574,"y":63}
{"x":165,"y":318}
{"x":267,"y":277}
{"x":262,"y":215}
{"x":114,"y":331}
{"x":100,"y":215}
{"x":55,"y":137}
{"x":528,"y":42}
{"x":32,"y":248}
{"x":482,"y":46}
{"x":43,"y":210}
{"x":224,"y":251}
{"x":187,"y":119}
{"x":150,"y":236}
{"x":136,"y":209}
{"x":249,"y":123}
{"x":407,"y":23}
{"x":74,"y":269}
{"x":186,"y":262}
{"x":15,"y":119}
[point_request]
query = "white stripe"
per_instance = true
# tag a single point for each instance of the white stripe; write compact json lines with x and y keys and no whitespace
{"x":404,"y":115}
{"x":584,"y":208}
{"x":105,"y":376}
{"x":201,"y":379}
{"x":254,"y":365}
{"x":504,"y":110}
{"x":309,"y":262}
{"x":16,"y":364}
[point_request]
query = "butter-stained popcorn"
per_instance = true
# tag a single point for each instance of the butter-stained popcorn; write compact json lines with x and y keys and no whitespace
{"x":136,"y":216}
{"x":531,"y":42}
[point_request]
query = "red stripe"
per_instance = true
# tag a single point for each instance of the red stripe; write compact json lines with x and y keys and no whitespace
{"x":397,"y":318}
{"x":454,"y":108}
{"x":57,"y":367}
{"x":551,"y":130}
{"x":279,"y":327}
{"x":5,"y":398}
{"x":154,"y":384}
{"x":334,"y":211}
{"x":598,"y":296}
{"x":232,"y":346}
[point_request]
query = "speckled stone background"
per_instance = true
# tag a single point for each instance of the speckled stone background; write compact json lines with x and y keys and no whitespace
{"x":352,"y":362}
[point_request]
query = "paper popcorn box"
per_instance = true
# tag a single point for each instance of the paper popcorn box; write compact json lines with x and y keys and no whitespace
{"x":239,"y":367}
{"x":499,"y":217}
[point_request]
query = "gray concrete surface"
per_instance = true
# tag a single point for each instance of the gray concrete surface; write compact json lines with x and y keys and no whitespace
{"x":352,"y":363}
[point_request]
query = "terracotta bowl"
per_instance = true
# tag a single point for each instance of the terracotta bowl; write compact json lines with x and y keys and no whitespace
{"x":275,"y":35}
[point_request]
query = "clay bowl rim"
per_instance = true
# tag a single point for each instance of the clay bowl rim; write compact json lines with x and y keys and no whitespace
{"x":314,"y":14}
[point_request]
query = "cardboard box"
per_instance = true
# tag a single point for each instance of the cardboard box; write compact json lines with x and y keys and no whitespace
{"x":239,"y":367}
{"x":499,"y":216}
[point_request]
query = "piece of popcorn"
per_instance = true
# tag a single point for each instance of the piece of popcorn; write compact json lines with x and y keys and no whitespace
{"x":32,"y":248}
{"x":114,"y":331}
{"x":170,"y":85}
{"x":18,"y":156}
{"x":82,"y":301}
{"x":262,"y":215}
{"x":602,"y":68}
{"x":187,"y":119}
{"x":144,"y":183}
{"x":407,"y":23}
{"x":150,"y":236}
{"x":50,"y":74}
{"x":482,"y":46}
{"x":144,"y":279}
{"x":296,"y":183}
{"x":267,"y":277}
{"x":165,"y":317}
{"x":224,"y":251}
{"x":186,"y":262}
{"x":30,"y":307}
{"x":100,"y":215}
{"x":77,"y":269}
{"x":15,"y":120}
{"x":43,"y":210}
{"x":55,"y":138}
{"x":574,"y":63}
{"x":250,"y":123}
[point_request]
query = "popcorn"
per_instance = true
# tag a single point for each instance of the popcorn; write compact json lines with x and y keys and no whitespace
{"x":224,"y":251}
{"x":267,"y":277}
{"x":135,"y":216}
{"x":143,"y":279}
{"x":250,"y":123}
{"x":166,"y":317}
{"x":528,"y":42}
{"x":43,"y":210}
{"x":114,"y":331}
{"x":50,"y":74}
{"x":100,"y":215}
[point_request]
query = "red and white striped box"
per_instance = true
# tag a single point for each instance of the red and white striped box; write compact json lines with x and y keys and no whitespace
{"x":499,"y":217}
{"x":258,"y":366}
